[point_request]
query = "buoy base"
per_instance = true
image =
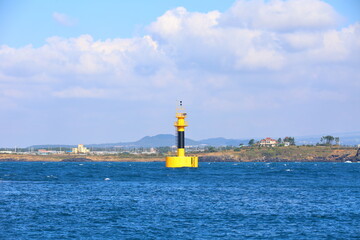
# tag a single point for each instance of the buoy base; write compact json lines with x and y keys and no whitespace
{"x":178,"y":162}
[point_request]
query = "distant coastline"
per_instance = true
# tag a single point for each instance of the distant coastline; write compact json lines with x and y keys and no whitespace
{"x":245,"y":154}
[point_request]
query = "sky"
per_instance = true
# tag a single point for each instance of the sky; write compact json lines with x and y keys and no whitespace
{"x":113,"y":71}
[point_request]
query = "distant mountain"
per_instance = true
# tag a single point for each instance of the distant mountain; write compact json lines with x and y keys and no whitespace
{"x":162,"y":140}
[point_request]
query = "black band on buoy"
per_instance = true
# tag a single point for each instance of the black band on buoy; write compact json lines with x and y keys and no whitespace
{"x":181,"y":139}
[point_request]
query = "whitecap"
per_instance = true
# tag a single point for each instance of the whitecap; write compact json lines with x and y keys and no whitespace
{"x":107,"y":179}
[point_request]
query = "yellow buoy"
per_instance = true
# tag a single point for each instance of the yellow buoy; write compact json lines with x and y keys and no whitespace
{"x":181,"y":160}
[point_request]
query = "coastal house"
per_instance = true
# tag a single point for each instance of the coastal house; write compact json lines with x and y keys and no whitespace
{"x":268,"y":142}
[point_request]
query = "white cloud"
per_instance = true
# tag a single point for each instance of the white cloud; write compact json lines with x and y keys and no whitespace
{"x":179,"y":20}
{"x":181,"y":42}
{"x":270,"y":36}
{"x":192,"y":45}
{"x":278,"y":15}
{"x":257,"y":56}
{"x":63,"y":19}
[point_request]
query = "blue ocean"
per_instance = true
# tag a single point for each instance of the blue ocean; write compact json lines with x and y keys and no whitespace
{"x":46,"y":200}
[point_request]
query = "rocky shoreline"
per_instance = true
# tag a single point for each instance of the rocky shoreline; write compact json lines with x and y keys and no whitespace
{"x":278,"y":159}
{"x":286,"y":154}
{"x":247,"y":154}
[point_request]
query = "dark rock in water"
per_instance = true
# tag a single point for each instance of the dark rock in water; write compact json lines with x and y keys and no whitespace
{"x":348,"y":158}
{"x":77,"y":160}
{"x":357,"y":156}
{"x":353,"y":159}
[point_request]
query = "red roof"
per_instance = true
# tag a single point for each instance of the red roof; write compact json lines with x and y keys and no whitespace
{"x":268,"y":139}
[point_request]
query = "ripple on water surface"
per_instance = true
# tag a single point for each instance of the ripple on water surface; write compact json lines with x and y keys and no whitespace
{"x":147,"y":201}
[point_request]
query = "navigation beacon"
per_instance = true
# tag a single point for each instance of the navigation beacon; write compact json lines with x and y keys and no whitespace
{"x":181,"y":160}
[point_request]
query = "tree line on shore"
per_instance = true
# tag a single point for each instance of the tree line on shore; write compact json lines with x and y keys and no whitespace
{"x":327,"y":140}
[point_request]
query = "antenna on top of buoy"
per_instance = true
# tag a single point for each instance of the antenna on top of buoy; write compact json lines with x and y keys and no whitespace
{"x":180,"y":108}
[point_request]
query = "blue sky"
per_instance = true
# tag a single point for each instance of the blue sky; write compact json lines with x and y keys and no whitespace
{"x":107,"y":19}
{"x":108,"y":71}
{"x":101,"y":19}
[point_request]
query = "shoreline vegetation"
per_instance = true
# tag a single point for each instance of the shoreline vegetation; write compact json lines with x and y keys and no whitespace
{"x":244,"y":154}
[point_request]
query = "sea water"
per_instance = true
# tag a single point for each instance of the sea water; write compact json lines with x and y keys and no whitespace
{"x":45,"y":200}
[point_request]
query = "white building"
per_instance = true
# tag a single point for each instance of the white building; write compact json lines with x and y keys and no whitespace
{"x":80,"y":149}
{"x":268,"y":142}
